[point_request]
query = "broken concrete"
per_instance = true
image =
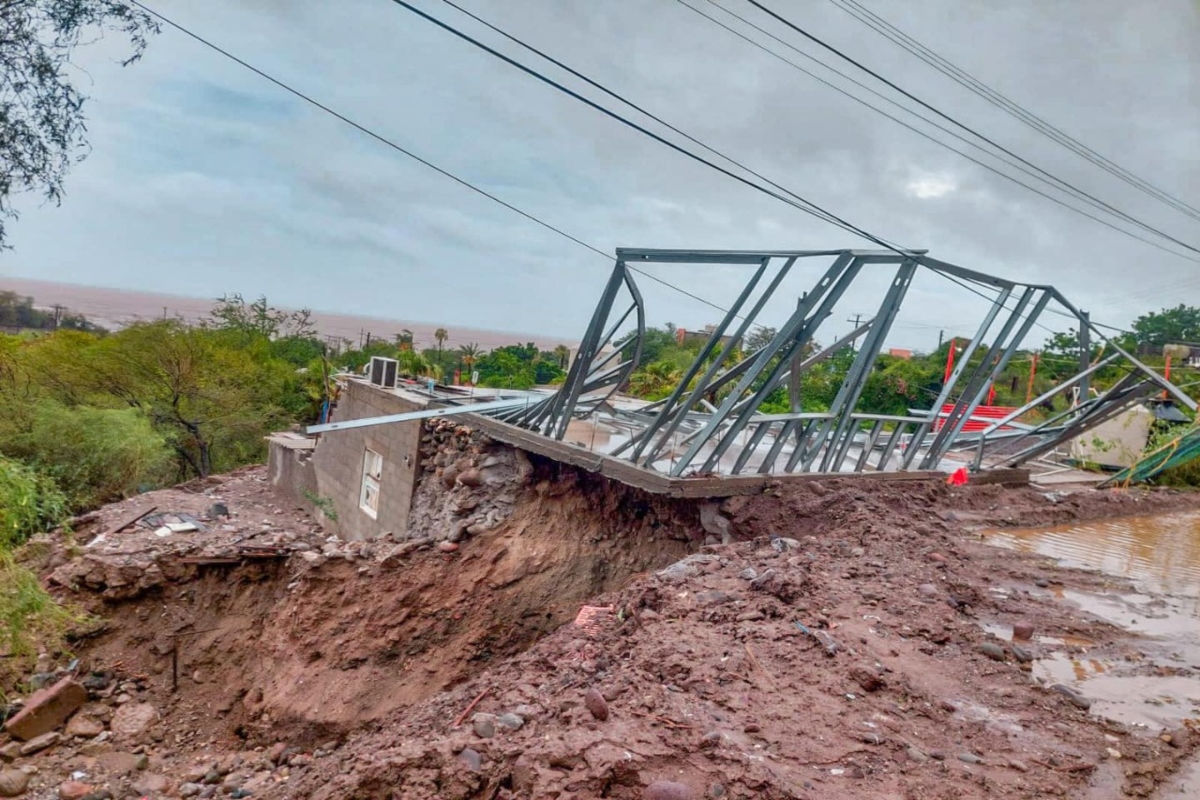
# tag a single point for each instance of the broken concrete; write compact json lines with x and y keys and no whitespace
{"x":47,"y":709}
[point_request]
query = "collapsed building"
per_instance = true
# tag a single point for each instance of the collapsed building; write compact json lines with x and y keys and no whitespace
{"x":709,"y":438}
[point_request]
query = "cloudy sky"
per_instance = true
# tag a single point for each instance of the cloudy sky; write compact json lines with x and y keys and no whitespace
{"x":206,"y":179}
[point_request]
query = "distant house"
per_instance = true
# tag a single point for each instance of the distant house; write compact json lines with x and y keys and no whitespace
{"x":685,"y":337}
{"x":898,"y":352}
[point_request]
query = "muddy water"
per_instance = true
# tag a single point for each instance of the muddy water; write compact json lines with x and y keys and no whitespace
{"x":1157,"y":684}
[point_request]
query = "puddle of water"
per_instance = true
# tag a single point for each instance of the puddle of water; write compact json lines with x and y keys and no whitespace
{"x":1161,"y":557}
{"x":1160,"y":554}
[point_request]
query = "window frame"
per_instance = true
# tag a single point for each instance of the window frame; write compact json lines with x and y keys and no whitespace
{"x":371,"y":483}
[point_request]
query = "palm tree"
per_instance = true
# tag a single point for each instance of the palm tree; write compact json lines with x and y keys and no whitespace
{"x":469,"y":354}
{"x":416,"y":365}
{"x":404,"y":339}
{"x":563,"y":354}
{"x":441,"y":334}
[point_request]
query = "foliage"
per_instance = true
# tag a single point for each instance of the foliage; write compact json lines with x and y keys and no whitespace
{"x":95,"y":455}
{"x":18,"y":312}
{"x":518,"y":367}
{"x":1179,"y":324}
{"x":29,"y":503}
{"x":42,"y":129}
{"x":29,"y":617}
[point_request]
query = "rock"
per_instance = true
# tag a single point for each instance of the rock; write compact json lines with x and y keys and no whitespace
{"x":142,"y":763}
{"x":484,"y":725}
{"x":39,"y":743}
{"x":10,"y":752}
{"x":74,"y":790}
{"x":133,"y":720}
{"x":1077,"y":700}
{"x":748,"y":574}
{"x":867,"y":677}
{"x":99,"y":794}
{"x":471,"y":759}
{"x":594,"y":702}
{"x":83,"y":725}
{"x":712,"y":597}
{"x":190,"y":789}
{"x":1023,"y":655}
{"x":96,"y":681}
{"x":969,"y":758}
{"x":935,"y":558}
{"x":713,"y":522}
{"x":447,"y":547}
{"x":40,"y":680}
{"x":716,"y":790}
{"x":276,"y":752}
{"x":212,"y":777}
{"x":668,"y":790}
{"x":217,"y":510}
{"x":710,"y":740}
{"x":1023,"y":630}
{"x":13,"y":783}
{"x":46,"y":709}
{"x":511,"y":721}
{"x":992,"y":650}
{"x":1180,"y":738}
{"x":762,"y":580}
{"x":928,"y":590}
{"x":750,"y":616}
{"x":915,"y":755}
{"x":1019,"y":766}
{"x":472,"y":478}
{"x":152,"y":784}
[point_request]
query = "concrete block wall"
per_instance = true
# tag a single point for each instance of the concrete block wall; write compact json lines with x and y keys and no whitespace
{"x":338,"y":462}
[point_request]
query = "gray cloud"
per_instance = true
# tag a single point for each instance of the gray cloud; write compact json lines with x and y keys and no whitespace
{"x":206,"y":179}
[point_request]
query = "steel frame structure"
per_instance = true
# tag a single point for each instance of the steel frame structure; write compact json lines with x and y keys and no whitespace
{"x":710,"y":422}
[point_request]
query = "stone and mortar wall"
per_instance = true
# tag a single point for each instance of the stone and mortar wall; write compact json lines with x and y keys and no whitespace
{"x":333,"y":472}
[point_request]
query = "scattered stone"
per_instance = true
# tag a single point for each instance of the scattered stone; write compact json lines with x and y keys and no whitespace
{"x":190,"y":789}
{"x":1023,"y":630}
{"x":1078,"y":700}
{"x":867,"y":677}
{"x":710,"y":740}
{"x":10,"y":752}
{"x":142,"y":763}
{"x":716,"y":790}
{"x":712,"y":597}
{"x":711,"y":521}
{"x":668,"y":790}
{"x":935,"y":557}
{"x":1019,"y":766}
{"x":152,"y":784}
{"x":1023,"y":655}
{"x":47,"y":709}
{"x":511,"y":721}
{"x":969,"y":758}
{"x":484,"y":725}
{"x":471,"y":759}
{"x":447,"y":547}
{"x":750,"y":616}
{"x":276,"y":752}
{"x":594,"y":702}
{"x":84,"y":726}
{"x":748,"y":574}
{"x":99,"y":794}
{"x":13,"y":782}
{"x":96,"y":681}
{"x":133,"y":720}
{"x":472,"y":478}
{"x":39,"y":680}
{"x":929,"y":590}
{"x":74,"y":790}
{"x":915,"y":755}
{"x":992,"y":650}
{"x":40,"y":743}
{"x":1180,"y":738}
{"x":217,"y":510}
{"x":1113,"y":753}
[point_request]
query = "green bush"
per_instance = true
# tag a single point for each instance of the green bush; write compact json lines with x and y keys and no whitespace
{"x":95,"y":455}
{"x":29,"y":503}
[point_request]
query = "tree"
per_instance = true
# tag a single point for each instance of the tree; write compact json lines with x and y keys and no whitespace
{"x":469,"y":354}
{"x":759,"y":338}
{"x":441,"y":334}
{"x":42,"y":123}
{"x":404,"y":339}
{"x":562,"y":356}
{"x":1179,"y":324}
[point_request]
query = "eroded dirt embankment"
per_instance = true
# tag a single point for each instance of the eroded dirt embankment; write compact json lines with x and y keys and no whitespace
{"x":714,"y":662}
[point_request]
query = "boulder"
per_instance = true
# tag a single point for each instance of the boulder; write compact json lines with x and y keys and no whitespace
{"x":47,"y":709}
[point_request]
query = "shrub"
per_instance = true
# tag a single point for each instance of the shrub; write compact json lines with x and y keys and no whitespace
{"x":95,"y":455}
{"x":29,"y":503}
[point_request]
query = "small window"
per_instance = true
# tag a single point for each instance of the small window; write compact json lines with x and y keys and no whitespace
{"x":368,"y":499}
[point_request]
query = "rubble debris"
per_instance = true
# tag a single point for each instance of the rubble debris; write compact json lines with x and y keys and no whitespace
{"x":47,"y":709}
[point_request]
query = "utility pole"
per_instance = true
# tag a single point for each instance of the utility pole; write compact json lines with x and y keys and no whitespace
{"x":58,"y":312}
{"x":941,"y":338}
{"x":1085,"y":353}
{"x":857,"y":321}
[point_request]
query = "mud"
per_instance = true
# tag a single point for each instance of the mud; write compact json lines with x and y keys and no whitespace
{"x":849,"y":641}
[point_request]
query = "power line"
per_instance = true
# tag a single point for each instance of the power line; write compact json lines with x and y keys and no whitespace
{"x":398,"y":148}
{"x":1081,"y":194}
{"x":907,"y":110}
{"x":640,"y":109}
{"x":807,"y":206}
{"x":889,"y":31}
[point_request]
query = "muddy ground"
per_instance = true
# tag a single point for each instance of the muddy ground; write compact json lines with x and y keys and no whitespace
{"x":851,"y":640}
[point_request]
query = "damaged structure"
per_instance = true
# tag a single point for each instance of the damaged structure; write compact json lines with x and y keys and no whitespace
{"x":709,"y":437}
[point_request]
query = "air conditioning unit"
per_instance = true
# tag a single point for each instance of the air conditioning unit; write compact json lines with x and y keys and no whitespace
{"x":383,"y":371}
